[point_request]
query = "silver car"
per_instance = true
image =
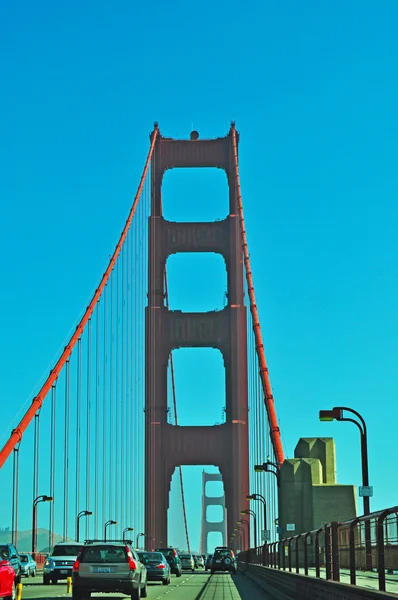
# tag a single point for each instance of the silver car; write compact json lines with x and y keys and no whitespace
{"x":109,"y":567}
{"x":187,"y":562}
{"x":28,"y":565}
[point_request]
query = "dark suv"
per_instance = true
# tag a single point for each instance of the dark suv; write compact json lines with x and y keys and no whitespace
{"x":109,"y":567}
{"x":223,"y":560}
{"x":173,"y":559}
{"x":10,"y":553}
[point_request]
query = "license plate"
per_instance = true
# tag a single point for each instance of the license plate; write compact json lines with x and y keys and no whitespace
{"x":104,"y":570}
{"x":63,"y":571}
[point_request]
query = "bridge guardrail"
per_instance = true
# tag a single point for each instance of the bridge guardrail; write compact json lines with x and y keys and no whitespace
{"x":366,"y":543}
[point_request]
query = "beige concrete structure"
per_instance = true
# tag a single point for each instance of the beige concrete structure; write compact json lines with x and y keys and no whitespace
{"x":309,"y":493}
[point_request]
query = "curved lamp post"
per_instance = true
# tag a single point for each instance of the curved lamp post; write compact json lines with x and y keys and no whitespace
{"x":138,"y":537}
{"x":337,"y":413}
{"x":125,"y":530}
{"x":243,"y":536}
{"x":36,"y":501}
{"x":264,"y":503}
{"x":248,"y":511}
{"x":110,"y":522}
{"x":82,"y":513}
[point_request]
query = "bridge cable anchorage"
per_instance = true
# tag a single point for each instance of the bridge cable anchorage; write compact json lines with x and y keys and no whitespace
{"x":173,"y":387}
{"x":266,"y":385}
{"x":46,"y":387}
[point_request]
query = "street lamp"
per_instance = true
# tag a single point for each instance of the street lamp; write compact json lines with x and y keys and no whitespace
{"x":266,"y":467}
{"x":337,"y":413}
{"x":264,"y":503}
{"x":125,"y":531}
{"x":82,"y":513}
{"x":34,"y":528}
{"x":246,"y":522}
{"x":248,"y":511}
{"x":243,"y":536}
{"x":110,"y":522}
{"x":138,"y":537}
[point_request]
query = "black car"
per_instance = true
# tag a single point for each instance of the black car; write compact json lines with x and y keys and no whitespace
{"x":173,"y":559}
{"x":223,"y":560}
{"x":157,"y":567}
{"x":10,"y":553}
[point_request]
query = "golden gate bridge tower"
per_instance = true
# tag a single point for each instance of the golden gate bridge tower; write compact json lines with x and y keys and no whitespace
{"x":168,"y":446}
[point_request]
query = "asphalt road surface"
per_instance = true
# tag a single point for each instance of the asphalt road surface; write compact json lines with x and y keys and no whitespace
{"x":191,"y":586}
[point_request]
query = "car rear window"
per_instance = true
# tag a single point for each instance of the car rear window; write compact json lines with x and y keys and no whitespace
{"x":150,"y":556}
{"x":103,"y":554}
{"x":223,"y":553}
{"x":65,"y":550}
{"x":185,"y":556}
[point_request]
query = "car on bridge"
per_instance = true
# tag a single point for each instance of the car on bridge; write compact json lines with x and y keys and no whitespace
{"x":187,"y":562}
{"x":109,"y":567}
{"x":157,"y":567}
{"x":28,"y":565}
{"x":59,"y":563}
{"x":223,"y":560}
{"x":173,"y":559}
{"x":8,"y":580}
{"x":9,"y":553}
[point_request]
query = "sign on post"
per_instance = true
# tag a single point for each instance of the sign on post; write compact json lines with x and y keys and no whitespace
{"x":291,"y":527}
{"x":366,"y":491}
{"x":265,"y":535}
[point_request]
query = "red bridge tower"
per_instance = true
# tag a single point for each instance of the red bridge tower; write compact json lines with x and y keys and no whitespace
{"x":167,"y":445}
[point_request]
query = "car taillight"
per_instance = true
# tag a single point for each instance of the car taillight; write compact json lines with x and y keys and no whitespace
{"x":175,"y":552}
{"x":132,"y":564}
{"x":161,"y":566}
{"x":75,"y":567}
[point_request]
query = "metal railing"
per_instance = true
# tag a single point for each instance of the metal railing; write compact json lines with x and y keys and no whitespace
{"x":336,"y":546}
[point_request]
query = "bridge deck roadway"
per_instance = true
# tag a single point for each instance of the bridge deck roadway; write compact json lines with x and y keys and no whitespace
{"x":191,"y":586}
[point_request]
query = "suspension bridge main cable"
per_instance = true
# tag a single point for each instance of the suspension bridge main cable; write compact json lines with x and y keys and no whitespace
{"x":173,"y":387}
{"x":38,"y":400}
{"x":266,"y":385}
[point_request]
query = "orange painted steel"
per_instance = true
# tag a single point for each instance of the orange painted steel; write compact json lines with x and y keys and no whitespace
{"x":173,"y":386}
{"x":17,"y":433}
{"x":266,"y":385}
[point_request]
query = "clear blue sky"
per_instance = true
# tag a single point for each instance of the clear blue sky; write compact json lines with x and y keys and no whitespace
{"x":313,"y":89}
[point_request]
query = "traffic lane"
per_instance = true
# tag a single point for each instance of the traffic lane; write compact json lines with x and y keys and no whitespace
{"x":191,"y":586}
{"x":186,"y":587}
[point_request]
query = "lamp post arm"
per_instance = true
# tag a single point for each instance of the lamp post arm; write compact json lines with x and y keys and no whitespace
{"x":354,"y":412}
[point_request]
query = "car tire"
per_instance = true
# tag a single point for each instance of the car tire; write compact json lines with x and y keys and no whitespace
{"x":54,"y":581}
{"x":13,"y":592}
{"x":212,"y":572}
{"x":46,"y":580}
{"x":135,"y":593}
{"x":76,"y":595}
{"x":234,"y":571}
{"x":33,"y":574}
{"x":179,"y":574}
{"x":144,"y":591}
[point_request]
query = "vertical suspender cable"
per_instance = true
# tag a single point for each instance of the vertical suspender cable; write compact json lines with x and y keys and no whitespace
{"x":78,"y":422}
{"x":66,"y":449}
{"x":112,"y":485}
{"x":124,"y":403}
{"x":105,"y":412}
{"x":97,"y":419}
{"x":52,"y":462}
{"x":88,"y":423}
{"x":15,"y":494}
{"x":36,"y":455}
{"x":118,"y":499}
{"x":128,"y":379}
